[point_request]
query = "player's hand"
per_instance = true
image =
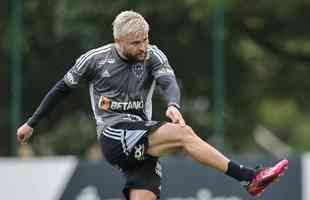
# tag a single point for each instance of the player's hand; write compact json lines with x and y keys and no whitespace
{"x":24,"y":133}
{"x":174,"y":114}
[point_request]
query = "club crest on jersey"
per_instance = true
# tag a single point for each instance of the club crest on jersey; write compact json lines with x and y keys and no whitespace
{"x":138,"y":69}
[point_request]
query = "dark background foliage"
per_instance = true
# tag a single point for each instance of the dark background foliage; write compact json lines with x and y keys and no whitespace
{"x":267,"y":58}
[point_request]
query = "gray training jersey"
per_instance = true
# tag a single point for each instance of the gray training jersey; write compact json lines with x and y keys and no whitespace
{"x":119,"y":90}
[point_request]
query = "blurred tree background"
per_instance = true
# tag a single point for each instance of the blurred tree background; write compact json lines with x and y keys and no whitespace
{"x":267,"y":67}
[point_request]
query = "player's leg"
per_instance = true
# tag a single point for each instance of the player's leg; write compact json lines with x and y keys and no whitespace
{"x":142,"y":172}
{"x":140,"y":194}
{"x":172,"y":136}
{"x":144,"y":180}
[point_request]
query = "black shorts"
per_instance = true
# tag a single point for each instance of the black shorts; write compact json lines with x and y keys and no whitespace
{"x":124,"y":145}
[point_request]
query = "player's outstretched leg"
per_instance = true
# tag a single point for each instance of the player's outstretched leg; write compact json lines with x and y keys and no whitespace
{"x":172,"y":136}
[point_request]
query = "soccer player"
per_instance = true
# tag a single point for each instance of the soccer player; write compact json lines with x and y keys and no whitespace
{"x":121,"y":77}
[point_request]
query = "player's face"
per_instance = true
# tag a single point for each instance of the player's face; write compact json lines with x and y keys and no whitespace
{"x":134,"y":46}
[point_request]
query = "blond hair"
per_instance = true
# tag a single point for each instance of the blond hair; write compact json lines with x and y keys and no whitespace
{"x":129,"y":22}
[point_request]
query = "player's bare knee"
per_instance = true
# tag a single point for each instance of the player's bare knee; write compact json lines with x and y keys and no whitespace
{"x":188,"y":134}
{"x":141,"y":194}
{"x":190,"y":130}
{"x":141,"y":198}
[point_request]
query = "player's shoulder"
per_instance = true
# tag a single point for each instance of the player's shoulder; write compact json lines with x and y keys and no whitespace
{"x":156,"y":54}
{"x":96,"y":52}
{"x":92,"y":56}
{"x":104,"y":48}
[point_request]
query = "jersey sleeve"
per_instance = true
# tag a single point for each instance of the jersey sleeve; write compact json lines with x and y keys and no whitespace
{"x":159,"y":63}
{"x":51,"y":99}
{"x":82,"y":71}
{"x":164,"y":76}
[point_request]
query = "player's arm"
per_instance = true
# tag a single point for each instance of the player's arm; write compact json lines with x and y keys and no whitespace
{"x":165,"y":79}
{"x":52,"y":98}
{"x":82,"y":70}
{"x":170,"y":90}
{"x":172,"y":94}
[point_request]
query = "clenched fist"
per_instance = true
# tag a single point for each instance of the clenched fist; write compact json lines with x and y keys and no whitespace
{"x":174,"y":114}
{"x":24,"y":133}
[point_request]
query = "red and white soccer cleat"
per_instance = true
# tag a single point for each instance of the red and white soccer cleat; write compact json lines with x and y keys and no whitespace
{"x":265,"y":177}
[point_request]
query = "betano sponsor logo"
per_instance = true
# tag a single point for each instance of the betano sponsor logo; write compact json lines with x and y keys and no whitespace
{"x":107,"y":104}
